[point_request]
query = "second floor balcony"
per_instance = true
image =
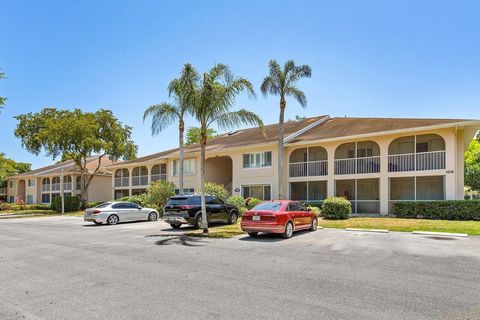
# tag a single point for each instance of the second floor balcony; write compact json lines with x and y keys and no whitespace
{"x":121,"y":182}
{"x":357,"y":165}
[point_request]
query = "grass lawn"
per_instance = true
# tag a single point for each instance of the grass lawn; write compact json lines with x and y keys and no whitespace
{"x":407,"y":225}
{"x":392,"y":224}
{"x":36,"y":213}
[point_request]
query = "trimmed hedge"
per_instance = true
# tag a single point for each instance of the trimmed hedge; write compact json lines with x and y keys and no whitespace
{"x":336,"y":208}
{"x":71,"y":203}
{"x":438,"y":210}
{"x":89,"y":205}
{"x":251,"y":202}
{"x":16,"y":207}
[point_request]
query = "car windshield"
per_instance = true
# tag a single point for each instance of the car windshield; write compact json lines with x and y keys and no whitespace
{"x":103,"y":205}
{"x":273,"y":206}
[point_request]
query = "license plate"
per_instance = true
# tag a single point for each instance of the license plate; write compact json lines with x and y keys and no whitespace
{"x":256,"y":218}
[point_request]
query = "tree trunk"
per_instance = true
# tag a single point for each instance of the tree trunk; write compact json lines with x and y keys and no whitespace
{"x":281,"y":130}
{"x":203,"y":143}
{"x":181,"y":129}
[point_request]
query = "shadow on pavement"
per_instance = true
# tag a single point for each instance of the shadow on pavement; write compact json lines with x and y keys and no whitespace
{"x":272,"y":237}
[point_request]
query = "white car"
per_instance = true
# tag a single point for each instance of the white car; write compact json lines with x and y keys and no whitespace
{"x":115,"y":212}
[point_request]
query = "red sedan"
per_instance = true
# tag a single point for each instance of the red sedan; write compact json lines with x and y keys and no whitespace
{"x":278,"y":216}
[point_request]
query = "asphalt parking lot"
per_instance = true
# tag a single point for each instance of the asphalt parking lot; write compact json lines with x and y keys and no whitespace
{"x":62,"y":268}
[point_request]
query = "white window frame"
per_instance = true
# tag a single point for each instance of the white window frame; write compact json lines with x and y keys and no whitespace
{"x":191,"y":163}
{"x":253,"y":155}
{"x":33,"y":184}
{"x":258,"y":185}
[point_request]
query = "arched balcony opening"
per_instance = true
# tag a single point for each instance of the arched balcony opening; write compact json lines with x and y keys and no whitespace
{"x":121,"y":178}
{"x":56,"y":184}
{"x":308,"y":162}
{"x":357,"y":158}
{"x":45,"y":184}
{"x":67,"y":183}
{"x":416,"y":153}
{"x":159,"y":172}
{"x":140,"y":176}
{"x":78,"y":183}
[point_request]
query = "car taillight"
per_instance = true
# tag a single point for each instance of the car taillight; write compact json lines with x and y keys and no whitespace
{"x":269,"y":218}
{"x":186,"y":207}
{"x":96,"y":212}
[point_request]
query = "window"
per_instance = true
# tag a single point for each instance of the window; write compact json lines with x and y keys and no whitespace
{"x":295,"y":206}
{"x":78,"y":183}
{"x":273,"y":206}
{"x":213,"y":200}
{"x":121,"y":178}
{"x":121,"y":193}
{"x":185,"y":191}
{"x":257,"y":160}
{"x":119,"y":206}
{"x":11,"y":199}
{"x":188,"y":167}
{"x":159,"y":172}
{"x":364,"y":194}
{"x":312,"y":191}
{"x":31,"y":182}
{"x":177,"y":201}
{"x":12,"y":184}
{"x":46,"y":198}
{"x":140,"y":176}
{"x":137,"y":192}
{"x":262,"y":192}
{"x":29,"y":199}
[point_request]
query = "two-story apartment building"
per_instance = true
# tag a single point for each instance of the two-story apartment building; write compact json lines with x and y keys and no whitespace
{"x":43,"y":184}
{"x":371,"y":161}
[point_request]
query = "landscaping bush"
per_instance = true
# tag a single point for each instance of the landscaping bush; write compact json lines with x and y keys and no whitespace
{"x":336,"y":208}
{"x":316,"y":210}
{"x":217,"y":190}
{"x":438,"y":210}
{"x":238,"y":202}
{"x":158,"y":193}
{"x":140,"y":199}
{"x":15,"y":207}
{"x":71,"y":203}
{"x":92,"y":204}
{"x":252,"y":202}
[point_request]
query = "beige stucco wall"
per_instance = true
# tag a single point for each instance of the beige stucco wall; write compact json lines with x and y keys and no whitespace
{"x":100,"y":189}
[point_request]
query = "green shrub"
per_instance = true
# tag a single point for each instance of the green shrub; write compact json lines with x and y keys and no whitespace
{"x":92,"y":204}
{"x":252,"y":202}
{"x":236,"y":201}
{"x":140,"y":199}
{"x":438,"y":210}
{"x":157,"y":194}
{"x":336,"y":208}
{"x":15,"y":207}
{"x":71,"y":203}
{"x":217,"y":190}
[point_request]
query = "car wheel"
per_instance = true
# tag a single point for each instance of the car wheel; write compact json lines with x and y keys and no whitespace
{"x":198,"y":222}
{"x":288,"y":230}
{"x":97,"y":223}
{"x":253,"y":234}
{"x":175,"y":226}
{"x":314,"y":225}
{"x":233,"y":218}
{"x":152,"y":216}
{"x":113,"y":219}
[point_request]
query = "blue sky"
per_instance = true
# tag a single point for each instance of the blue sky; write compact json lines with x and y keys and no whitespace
{"x":369,"y":58}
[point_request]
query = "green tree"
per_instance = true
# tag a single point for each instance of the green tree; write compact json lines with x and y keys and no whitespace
{"x":158,"y":193}
{"x":472,"y":165}
{"x":2,"y":99}
{"x":76,"y":135}
{"x":283,"y":83}
{"x":193,"y":135}
{"x":9,"y":167}
{"x":212,"y":99}
{"x":164,"y":114}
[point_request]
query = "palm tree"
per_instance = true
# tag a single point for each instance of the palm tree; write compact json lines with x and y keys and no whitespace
{"x":282,"y":82}
{"x":164,"y":114}
{"x":214,"y":96}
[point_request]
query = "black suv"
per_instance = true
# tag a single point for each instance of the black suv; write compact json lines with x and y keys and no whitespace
{"x":187,"y":209}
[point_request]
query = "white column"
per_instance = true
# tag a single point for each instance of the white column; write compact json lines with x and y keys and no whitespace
{"x":450,"y":165}
{"x":331,"y":170}
{"x":383,"y":184}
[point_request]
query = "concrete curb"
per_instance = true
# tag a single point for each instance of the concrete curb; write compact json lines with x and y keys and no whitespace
{"x":367,"y":230}
{"x":441,"y":234}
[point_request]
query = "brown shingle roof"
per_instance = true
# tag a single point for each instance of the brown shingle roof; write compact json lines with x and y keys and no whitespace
{"x":253,"y":136}
{"x":343,"y":127}
{"x":147,"y":157}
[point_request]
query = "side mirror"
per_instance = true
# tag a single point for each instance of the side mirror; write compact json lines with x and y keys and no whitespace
{"x":139,"y":208}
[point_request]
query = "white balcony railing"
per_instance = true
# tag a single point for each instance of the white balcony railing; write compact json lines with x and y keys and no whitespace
{"x":434,"y":160}
{"x":156,"y":177}
{"x":357,"y":165}
{"x":309,"y":169}
{"x":46,"y":187}
{"x":55,"y":186}
{"x":121,"y":182}
{"x":140,"y":181}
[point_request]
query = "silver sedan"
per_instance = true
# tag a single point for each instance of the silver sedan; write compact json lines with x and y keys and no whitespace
{"x":115,"y":212}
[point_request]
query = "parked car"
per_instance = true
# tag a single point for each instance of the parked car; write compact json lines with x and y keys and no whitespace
{"x":187,"y":209}
{"x":115,"y":212}
{"x":278,"y":216}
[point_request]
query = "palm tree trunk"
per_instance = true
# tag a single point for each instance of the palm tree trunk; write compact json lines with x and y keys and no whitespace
{"x":203,"y":143}
{"x":281,"y":132}
{"x":181,"y":129}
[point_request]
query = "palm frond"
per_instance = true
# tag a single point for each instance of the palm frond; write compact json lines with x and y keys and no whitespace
{"x":297,"y":94}
{"x":163,"y":115}
{"x":299,"y":72}
{"x":235,"y":119}
{"x":269,"y":86}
